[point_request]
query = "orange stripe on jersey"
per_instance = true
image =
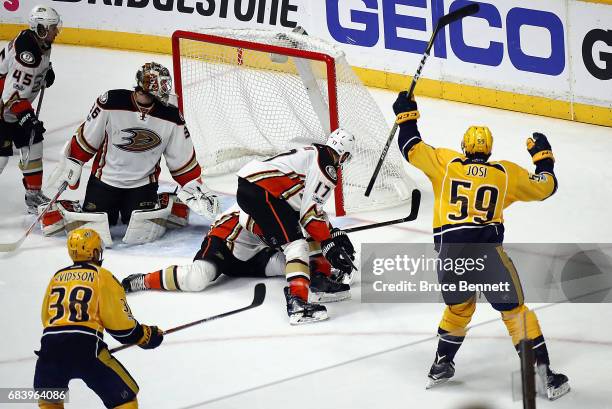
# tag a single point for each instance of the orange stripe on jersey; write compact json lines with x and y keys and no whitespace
{"x":187,"y":177}
{"x":282,"y":186}
{"x":227,"y":227}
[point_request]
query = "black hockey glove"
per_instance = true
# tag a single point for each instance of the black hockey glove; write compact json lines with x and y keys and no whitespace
{"x":343,"y":240}
{"x":28,"y":122}
{"x":152,"y":337}
{"x":541,"y":152}
{"x":337,"y":255}
{"x":49,"y":77}
{"x":406,"y":109}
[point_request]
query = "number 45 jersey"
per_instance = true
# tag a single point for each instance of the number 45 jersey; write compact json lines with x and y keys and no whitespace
{"x":470,"y":196}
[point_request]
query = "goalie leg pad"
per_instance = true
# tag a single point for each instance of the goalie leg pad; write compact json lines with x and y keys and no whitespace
{"x":52,"y":221}
{"x":97,"y":221}
{"x":179,"y":211}
{"x":147,"y":225}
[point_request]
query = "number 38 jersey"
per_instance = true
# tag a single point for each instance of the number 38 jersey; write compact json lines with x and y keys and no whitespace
{"x":23,"y":64}
{"x":86,"y":299}
{"x":469,"y":194}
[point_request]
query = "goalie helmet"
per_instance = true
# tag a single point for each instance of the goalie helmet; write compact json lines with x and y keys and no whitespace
{"x":477,"y":141}
{"x":155,"y":79}
{"x":85,"y":245}
{"x":45,"y":22}
{"x":343,"y":143}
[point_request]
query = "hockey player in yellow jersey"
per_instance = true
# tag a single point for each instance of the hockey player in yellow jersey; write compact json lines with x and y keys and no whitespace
{"x":81,"y":302}
{"x":470,"y":194}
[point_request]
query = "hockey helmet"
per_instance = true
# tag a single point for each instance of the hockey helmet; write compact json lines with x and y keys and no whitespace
{"x":477,"y":141}
{"x":343,"y":143}
{"x":153,"y":78}
{"x":85,"y":245}
{"x":45,"y":22}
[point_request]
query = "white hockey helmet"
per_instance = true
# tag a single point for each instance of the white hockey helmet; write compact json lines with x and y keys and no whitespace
{"x":153,"y":78}
{"x":342,"y":142}
{"x":43,"y":20}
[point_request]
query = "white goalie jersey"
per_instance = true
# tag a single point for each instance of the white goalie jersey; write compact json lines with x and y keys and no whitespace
{"x":128,"y":141}
{"x":305,"y":178}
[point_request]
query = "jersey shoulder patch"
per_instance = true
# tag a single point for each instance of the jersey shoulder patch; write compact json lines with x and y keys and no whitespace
{"x":326,"y":163}
{"x":117,"y":99}
{"x":27,"y":50}
{"x":168,"y":113}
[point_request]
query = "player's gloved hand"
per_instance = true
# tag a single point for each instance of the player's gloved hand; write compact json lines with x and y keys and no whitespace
{"x":69,"y":171}
{"x":199,"y":199}
{"x":28,"y":121}
{"x":406,"y":109}
{"x":343,"y":239}
{"x":539,"y":148}
{"x":337,"y":255}
{"x":49,"y":77}
{"x":151,"y":338}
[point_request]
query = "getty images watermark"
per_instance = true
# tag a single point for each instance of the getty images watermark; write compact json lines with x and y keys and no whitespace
{"x":409,"y":272}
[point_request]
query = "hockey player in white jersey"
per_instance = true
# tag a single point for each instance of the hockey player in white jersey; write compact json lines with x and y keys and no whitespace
{"x":282,"y":197}
{"x":25,"y":68}
{"x":126,"y":133}
{"x":231,"y":250}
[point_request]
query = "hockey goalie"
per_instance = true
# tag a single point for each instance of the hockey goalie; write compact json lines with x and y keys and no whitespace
{"x":126,"y":133}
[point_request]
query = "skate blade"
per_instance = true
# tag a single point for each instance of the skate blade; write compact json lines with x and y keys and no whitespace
{"x":321,"y":298}
{"x":558,"y":392}
{"x":299,"y":319}
{"x":434,"y":382}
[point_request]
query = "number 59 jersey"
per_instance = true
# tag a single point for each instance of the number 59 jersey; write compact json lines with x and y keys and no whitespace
{"x":86,"y":299}
{"x":470,"y":194}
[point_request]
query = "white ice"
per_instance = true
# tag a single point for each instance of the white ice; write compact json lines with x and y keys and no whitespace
{"x":366,"y":355}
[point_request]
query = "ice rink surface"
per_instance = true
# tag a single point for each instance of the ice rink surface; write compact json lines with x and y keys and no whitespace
{"x":365,"y":355}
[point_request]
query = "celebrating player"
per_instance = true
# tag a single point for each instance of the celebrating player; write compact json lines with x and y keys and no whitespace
{"x":470,"y":195}
{"x":230,"y":249}
{"x":282,"y":196}
{"x":81,"y":302}
{"x":25,"y":67}
{"x":128,"y":132}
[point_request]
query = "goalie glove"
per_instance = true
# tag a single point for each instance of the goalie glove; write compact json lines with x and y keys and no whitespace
{"x":199,"y":199}
{"x":69,"y":171}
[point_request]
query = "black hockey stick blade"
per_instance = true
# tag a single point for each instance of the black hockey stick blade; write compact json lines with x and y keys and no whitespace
{"x":458,"y":14}
{"x":414,"y":212}
{"x":258,"y":298}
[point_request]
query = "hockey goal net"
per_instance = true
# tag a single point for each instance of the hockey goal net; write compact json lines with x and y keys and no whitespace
{"x":249,"y":94}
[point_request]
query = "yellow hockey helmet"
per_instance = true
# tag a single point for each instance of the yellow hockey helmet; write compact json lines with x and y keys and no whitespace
{"x":85,"y":245}
{"x":477,"y":140}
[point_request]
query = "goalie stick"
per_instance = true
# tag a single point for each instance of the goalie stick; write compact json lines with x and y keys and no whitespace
{"x":442,"y":22}
{"x":259,"y":296}
{"x":8,"y":247}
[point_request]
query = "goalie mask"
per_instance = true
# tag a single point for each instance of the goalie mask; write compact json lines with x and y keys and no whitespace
{"x":45,"y":22}
{"x":155,"y":79}
{"x":343,"y":143}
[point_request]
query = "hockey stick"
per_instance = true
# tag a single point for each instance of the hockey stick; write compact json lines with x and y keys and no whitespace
{"x":26,"y":160}
{"x":7,"y":247}
{"x":258,"y":299}
{"x":442,"y":22}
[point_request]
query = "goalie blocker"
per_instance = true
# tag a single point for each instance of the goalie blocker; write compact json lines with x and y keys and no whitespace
{"x":145,"y":226}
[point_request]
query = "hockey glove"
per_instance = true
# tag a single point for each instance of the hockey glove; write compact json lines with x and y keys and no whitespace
{"x":337,"y":255}
{"x":539,"y":147}
{"x":29,"y":123}
{"x":69,"y":171}
{"x":199,"y":199}
{"x":343,"y":240}
{"x":406,"y":109}
{"x":151,"y":338}
{"x":49,"y":77}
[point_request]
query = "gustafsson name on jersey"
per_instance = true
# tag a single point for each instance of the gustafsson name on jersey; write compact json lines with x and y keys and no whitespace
{"x":245,"y":10}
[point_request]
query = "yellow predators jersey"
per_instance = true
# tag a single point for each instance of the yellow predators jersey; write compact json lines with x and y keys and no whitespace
{"x":469,"y":193}
{"x":85,"y":298}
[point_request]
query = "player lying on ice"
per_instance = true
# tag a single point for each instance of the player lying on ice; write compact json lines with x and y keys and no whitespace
{"x":263,"y":235}
{"x":470,"y":195}
{"x":127,"y":132}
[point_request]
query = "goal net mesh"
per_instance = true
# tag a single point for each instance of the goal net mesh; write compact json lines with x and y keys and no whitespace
{"x":243,"y":102}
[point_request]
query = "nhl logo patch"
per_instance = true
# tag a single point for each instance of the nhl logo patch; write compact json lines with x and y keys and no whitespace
{"x":331,"y":171}
{"x":27,"y":57}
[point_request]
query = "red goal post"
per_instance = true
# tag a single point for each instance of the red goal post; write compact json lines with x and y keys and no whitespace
{"x":250,"y":94}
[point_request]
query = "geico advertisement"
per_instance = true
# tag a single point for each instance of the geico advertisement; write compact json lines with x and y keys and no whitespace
{"x":557,"y":49}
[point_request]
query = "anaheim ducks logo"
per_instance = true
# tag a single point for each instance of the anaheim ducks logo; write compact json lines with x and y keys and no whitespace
{"x":139,"y":140}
